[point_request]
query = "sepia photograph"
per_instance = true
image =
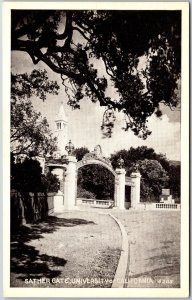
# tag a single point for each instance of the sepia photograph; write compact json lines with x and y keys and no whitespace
{"x":97,"y":194}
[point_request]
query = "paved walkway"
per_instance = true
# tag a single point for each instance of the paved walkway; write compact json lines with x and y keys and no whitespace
{"x":72,"y":249}
{"x":82,"y":249}
{"x":153,"y":248}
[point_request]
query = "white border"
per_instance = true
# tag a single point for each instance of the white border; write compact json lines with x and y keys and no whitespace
{"x":99,"y":292}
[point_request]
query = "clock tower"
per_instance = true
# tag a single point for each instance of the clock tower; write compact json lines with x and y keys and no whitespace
{"x":61,"y":128}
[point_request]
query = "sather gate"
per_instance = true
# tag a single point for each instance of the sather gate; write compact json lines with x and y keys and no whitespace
{"x":96,"y":157}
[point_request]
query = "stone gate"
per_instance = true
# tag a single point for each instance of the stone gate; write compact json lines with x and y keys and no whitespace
{"x":96,"y":157}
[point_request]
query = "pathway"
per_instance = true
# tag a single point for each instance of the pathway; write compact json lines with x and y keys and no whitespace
{"x":72,"y":249}
{"x":153,"y":248}
{"x":82,"y":249}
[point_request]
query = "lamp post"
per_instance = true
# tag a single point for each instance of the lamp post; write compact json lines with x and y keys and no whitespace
{"x":120,"y":188}
{"x":69,"y":148}
{"x":70,"y":179}
{"x":135,"y":190}
{"x":136,"y":168}
{"x":120,"y":163}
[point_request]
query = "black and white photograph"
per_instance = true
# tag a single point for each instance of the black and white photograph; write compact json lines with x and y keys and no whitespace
{"x":97,"y":193}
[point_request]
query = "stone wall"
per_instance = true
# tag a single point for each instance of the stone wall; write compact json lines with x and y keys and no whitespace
{"x":29,"y":207}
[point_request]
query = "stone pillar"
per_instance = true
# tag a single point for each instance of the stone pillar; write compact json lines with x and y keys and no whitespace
{"x":135,"y":189}
{"x":70,"y":184}
{"x":120,"y":188}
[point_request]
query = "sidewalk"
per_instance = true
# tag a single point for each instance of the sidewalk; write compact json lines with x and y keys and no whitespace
{"x":82,"y":249}
{"x":72,"y":249}
{"x":153,"y":248}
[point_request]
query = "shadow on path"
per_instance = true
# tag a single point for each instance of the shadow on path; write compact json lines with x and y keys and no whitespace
{"x":26,"y":261}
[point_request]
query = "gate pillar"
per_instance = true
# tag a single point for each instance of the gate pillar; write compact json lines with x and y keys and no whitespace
{"x":135,"y":189}
{"x":70,"y":184}
{"x":120,"y":188}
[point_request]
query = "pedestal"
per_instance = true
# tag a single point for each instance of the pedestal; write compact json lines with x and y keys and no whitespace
{"x":58,"y":202}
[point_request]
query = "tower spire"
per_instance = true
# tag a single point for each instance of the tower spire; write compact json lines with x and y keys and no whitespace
{"x":61,"y":124}
{"x":61,"y":116}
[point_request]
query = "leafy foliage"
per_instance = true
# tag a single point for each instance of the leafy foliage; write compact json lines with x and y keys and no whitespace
{"x":30,"y":132}
{"x":24,"y":86}
{"x":80,"y":152}
{"x":50,"y":182}
{"x":157,"y":172}
{"x":133,"y":155}
{"x":27,"y":176}
{"x":97,"y":180}
{"x":82,"y":193}
{"x":175,"y":180}
{"x":76,"y":44}
{"x":153,"y":179}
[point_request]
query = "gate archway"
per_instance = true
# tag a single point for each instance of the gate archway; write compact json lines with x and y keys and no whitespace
{"x":96,"y":158}
{"x":91,"y":159}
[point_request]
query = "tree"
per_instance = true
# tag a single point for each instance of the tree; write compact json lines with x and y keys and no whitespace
{"x":24,"y":86}
{"x":50,"y":183}
{"x":133,"y":155}
{"x":30,"y":132}
{"x":155,"y":169}
{"x":153,"y":179}
{"x":27,"y":176}
{"x":94,"y":181}
{"x":75,"y":44}
{"x":97,"y":180}
{"x":80,"y":152}
{"x":175,"y":180}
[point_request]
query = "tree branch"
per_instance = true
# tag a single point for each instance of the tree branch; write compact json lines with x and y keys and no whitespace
{"x":81,"y":32}
{"x":22,"y":149}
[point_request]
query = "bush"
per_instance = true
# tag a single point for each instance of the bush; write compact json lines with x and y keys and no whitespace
{"x":153,"y":179}
{"x":50,"y":183}
{"x":27,"y":177}
{"x":82,"y":193}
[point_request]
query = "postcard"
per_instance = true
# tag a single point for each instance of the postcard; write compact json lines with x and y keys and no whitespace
{"x":96,"y":149}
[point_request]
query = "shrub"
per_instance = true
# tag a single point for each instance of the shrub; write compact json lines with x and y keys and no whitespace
{"x":82,"y":193}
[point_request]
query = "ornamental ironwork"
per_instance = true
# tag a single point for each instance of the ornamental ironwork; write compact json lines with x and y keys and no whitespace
{"x":69,"y":148}
{"x":120,"y":162}
{"x":97,"y":154}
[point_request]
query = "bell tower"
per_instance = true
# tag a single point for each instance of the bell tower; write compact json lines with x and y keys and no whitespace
{"x":61,"y":128}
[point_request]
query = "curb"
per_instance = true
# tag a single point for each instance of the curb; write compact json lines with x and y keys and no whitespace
{"x":118,"y":281}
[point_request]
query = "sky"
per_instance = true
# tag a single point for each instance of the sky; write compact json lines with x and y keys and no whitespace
{"x":84,"y":124}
